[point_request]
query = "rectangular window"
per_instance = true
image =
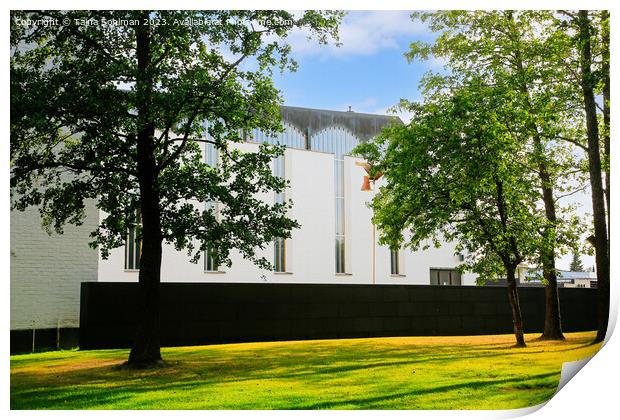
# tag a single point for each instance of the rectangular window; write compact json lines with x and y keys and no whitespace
{"x":211,"y":159}
{"x":279,"y":244}
{"x":133,"y":248}
{"x":278,"y":171}
{"x":340,"y":215}
{"x":340,"y":243}
{"x":445,"y":277}
{"x":339,"y":141}
{"x":210,"y":263}
{"x":279,"y":255}
{"x":395,"y":261}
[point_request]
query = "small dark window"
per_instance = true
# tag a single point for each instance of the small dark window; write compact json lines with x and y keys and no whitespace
{"x":395,"y":261}
{"x":279,"y":255}
{"x":445,"y":277}
{"x":133,"y":248}
{"x":210,"y":264}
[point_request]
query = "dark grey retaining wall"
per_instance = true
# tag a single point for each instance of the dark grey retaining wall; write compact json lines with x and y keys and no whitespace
{"x":220,"y":313}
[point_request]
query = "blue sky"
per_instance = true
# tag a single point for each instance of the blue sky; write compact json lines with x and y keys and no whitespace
{"x":369,"y":83}
{"x":368,"y":71}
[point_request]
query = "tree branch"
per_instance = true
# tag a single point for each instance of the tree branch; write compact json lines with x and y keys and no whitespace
{"x":566,"y":139}
{"x":75,"y":167}
{"x":582,"y":188}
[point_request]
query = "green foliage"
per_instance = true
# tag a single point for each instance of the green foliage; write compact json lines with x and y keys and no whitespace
{"x":531,"y":60}
{"x":455,"y":172}
{"x":75,"y":120}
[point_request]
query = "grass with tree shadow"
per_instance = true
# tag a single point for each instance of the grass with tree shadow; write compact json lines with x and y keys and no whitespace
{"x":475,"y":372}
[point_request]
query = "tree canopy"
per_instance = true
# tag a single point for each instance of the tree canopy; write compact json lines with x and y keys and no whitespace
{"x":77,"y":108}
{"x":455,"y":172}
{"x":523,"y":52}
{"x":532,"y":59}
{"x":116,"y":106}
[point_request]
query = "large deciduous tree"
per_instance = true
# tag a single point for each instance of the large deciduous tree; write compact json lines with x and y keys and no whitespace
{"x":582,"y":47}
{"x":454,"y":173}
{"x":111,"y":106}
{"x":518,"y":51}
{"x":589,"y":82}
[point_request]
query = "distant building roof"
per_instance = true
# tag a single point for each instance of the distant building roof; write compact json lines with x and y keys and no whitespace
{"x":571,"y":275}
{"x":534,"y":275}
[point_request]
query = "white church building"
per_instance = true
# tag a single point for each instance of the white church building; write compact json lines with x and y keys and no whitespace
{"x":336,"y":242}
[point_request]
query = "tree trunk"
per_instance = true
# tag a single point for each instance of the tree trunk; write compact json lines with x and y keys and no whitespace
{"x":510,"y":265}
{"x":553,"y":319}
{"x":596,"y":183}
{"x":513,"y":298}
{"x":606,"y":113}
{"x":146,"y":347}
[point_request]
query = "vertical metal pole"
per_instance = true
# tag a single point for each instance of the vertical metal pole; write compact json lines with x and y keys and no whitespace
{"x":58,"y":334}
{"x":374,"y":242}
{"x":374,"y":256}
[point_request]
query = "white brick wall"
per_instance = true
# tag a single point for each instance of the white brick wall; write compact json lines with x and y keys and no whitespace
{"x":46,"y":271}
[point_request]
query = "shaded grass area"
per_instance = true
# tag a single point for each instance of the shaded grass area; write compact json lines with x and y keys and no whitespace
{"x":476,"y":372}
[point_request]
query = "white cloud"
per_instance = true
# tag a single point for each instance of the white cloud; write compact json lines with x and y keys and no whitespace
{"x":361,"y":33}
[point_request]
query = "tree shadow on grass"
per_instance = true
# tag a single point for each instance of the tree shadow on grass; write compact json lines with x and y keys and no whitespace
{"x":66,"y":397}
{"x":378,"y":400}
{"x":308,"y":365}
{"x":97,"y":397}
{"x":311,"y":364}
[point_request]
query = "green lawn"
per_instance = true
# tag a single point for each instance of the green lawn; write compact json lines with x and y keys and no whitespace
{"x":478,"y":372}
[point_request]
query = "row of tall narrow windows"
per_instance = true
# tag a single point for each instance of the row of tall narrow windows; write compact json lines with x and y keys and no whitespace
{"x":438,"y":277}
{"x":133,"y":251}
{"x":333,"y":140}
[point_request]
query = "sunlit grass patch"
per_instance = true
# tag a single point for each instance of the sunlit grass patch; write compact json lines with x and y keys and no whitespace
{"x":475,"y":372}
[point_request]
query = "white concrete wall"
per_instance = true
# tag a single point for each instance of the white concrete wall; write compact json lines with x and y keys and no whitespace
{"x":46,"y":271}
{"x":310,"y":252}
{"x":414,"y":266}
{"x":312,"y":174}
